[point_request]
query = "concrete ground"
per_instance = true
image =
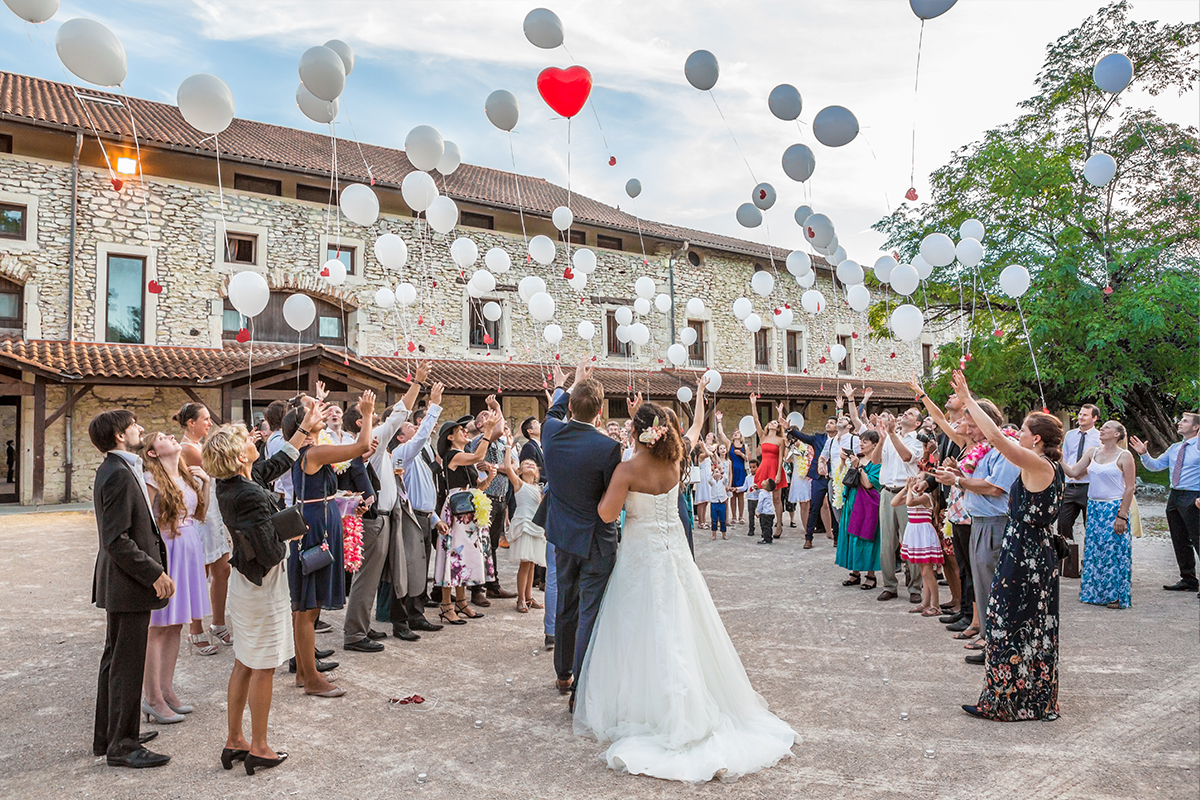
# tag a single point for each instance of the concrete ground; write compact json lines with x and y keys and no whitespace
{"x":818,"y":652}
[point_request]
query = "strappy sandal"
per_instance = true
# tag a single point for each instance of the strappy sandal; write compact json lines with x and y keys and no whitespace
{"x":855,"y":581}
{"x":978,"y":644}
{"x":522,"y":608}
{"x":445,"y":608}
{"x":533,"y":603}
{"x":466,"y":611}
{"x":969,"y":633}
{"x":869,"y":584}
{"x":201,"y":645}
{"x":220,"y":633}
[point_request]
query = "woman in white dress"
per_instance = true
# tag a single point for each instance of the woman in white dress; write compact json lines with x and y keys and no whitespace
{"x":662,"y":684}
{"x":527,"y":540}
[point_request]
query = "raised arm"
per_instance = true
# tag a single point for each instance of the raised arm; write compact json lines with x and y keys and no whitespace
{"x":509,"y":469}
{"x":1027,"y":460}
{"x":692,"y":434}
{"x":1079,"y":468}
{"x":856,"y":423}
{"x":492,"y":420}
{"x":320,"y":454}
{"x":414,"y":388}
{"x":932,"y":409}
{"x":758,"y":428}
{"x":721,"y":437}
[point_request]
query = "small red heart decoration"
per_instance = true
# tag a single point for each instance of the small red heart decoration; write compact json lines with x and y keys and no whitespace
{"x":325,"y":272}
{"x":593,"y":358}
{"x":762,"y":194}
{"x":854,"y":334}
{"x":778,"y":311}
{"x":556,"y":357}
{"x":243,"y":336}
{"x":488,"y":353}
{"x":372,"y":181}
{"x":117,"y":183}
{"x":345,"y":362}
{"x":1045,"y":410}
{"x":747,"y":383}
{"x":811,"y":233}
{"x":154,"y":287}
{"x":821,"y":360}
{"x":893,"y":355}
{"x":970,"y":357}
{"x":660,"y":361}
{"x":545,"y":385}
{"x":867,"y":368}
{"x":412,"y":347}
{"x":911,"y":194}
{"x":408,"y":377}
{"x":565,"y":90}
{"x":896,"y":254}
{"x":435,"y":284}
{"x":420,"y":319}
{"x":787,"y":305}
{"x":397,"y":355}
{"x":433,"y":331}
{"x":997,"y":333}
{"x":487,"y":338}
{"x":442,"y":323}
{"x":568,"y":274}
{"x":805,"y":372}
{"x":612,"y":161}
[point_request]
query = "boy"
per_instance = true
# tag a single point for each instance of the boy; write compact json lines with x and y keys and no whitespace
{"x":718,"y":495}
{"x":752,"y":498}
{"x":766,"y":510}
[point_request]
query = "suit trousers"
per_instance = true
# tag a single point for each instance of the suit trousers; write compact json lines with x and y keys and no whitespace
{"x":119,"y":687}
{"x":417,"y":546}
{"x":1074,"y":503}
{"x":751,"y":513}
{"x":581,"y":585}
{"x":366,"y":580}
{"x":496,"y":529}
{"x":892,"y":522}
{"x":1183,"y":521}
{"x":551,"y":590}
{"x":962,"y":557}
{"x":820,"y":492}
{"x":986,"y":535}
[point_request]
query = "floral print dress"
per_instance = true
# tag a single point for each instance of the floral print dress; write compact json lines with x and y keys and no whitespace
{"x":463,"y":552}
{"x":1022,"y":614}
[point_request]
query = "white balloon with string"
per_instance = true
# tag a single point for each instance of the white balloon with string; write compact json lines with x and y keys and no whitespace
{"x":937,"y":249}
{"x":969,"y":252}
{"x":359,"y":204}
{"x":541,"y":249}
{"x":406,"y":294}
{"x":497,"y":260}
{"x":442,"y":214}
{"x":642,"y":306}
{"x":812,"y":301}
{"x":971,"y":229}
{"x":384,"y":297}
{"x":1014,"y":280}
{"x":624,"y":315}
{"x":644,"y":287}
{"x":677,"y":354}
{"x":688,"y":336}
{"x":578,"y":281}
{"x":883,"y":268}
{"x":299,"y":312}
{"x":464,"y":252}
{"x":584,"y":260}
{"x":391,"y":251}
{"x":753,"y":323}
{"x":541,"y":307}
{"x":806,"y":280}
{"x":695,"y":307}
{"x":837,"y":353}
{"x":762,"y":283}
{"x":552,"y":334}
{"x":248,"y":293}
{"x":747,"y":427}
{"x":639,"y":332}
{"x":742,"y":308}
{"x":849,"y":272}
{"x":663,"y":302}
{"x":904,"y":279}
{"x":451,"y":159}
{"x":784,"y":318}
{"x":529,"y":286}
{"x":492,"y":311}
{"x":623,"y":334}
{"x":714,"y":380}
{"x":859,"y":297}
{"x":418,"y":190}
{"x":586,"y":330}
{"x":334,"y":272}
{"x":562,"y":218}
{"x":484,"y":281}
{"x":798,"y":262}
{"x":424,"y":146}
{"x":684,"y":394}
{"x":907,"y":322}
{"x":924,"y":268}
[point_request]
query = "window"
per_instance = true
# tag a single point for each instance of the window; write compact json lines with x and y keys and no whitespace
{"x":762,"y":349}
{"x":329,"y":327}
{"x":315,"y":194}
{"x":618,"y":408}
{"x":795,"y":351}
{"x":758,"y":267}
{"x":694,"y":258}
{"x":126,"y":295}
{"x":478,"y":404}
{"x":608,"y":242}
{"x":253,"y":183}
{"x":241,"y":248}
{"x":927,"y":359}
{"x":844,"y":368}
{"x":615,"y":348}
{"x":269,"y":326}
{"x":10,"y":304}
{"x":12,"y":221}
{"x":343,"y":253}
{"x":698,"y":352}
{"x":485,"y":334}
{"x":472,"y":220}
{"x":6,"y":143}
{"x":231,"y":320}
{"x":577,"y":237}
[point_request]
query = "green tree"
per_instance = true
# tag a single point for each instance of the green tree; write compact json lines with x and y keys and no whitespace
{"x":1113,"y":306}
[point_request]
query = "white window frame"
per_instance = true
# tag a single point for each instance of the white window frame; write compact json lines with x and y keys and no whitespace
{"x":149,"y":299}
{"x":260,"y":247}
{"x":803,"y":331}
{"x":505,"y":323}
{"x":357,"y":278}
{"x":30,"y":242}
{"x":710,"y":357}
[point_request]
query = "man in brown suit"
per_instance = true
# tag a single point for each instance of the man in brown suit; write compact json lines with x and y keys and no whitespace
{"x":130,"y":581}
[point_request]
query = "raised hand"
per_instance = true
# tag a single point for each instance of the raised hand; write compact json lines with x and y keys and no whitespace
{"x":1137,"y":445}
{"x":958,"y":381}
{"x":422,"y":373}
{"x":435,"y":393}
{"x":867,"y":392}
{"x":848,"y":390}
{"x":632,"y":405}
{"x":492,"y":403}
{"x":560,"y":378}
{"x":199,"y":474}
{"x":583,"y":370}
{"x":914,"y":384}
{"x":322,"y":392}
{"x":366,"y":404}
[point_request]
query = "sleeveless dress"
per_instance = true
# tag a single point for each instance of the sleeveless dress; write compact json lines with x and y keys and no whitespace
{"x":801,"y":484}
{"x":185,"y":565}
{"x":703,"y":491}
{"x":1022,"y":613}
{"x":921,"y":544}
{"x":214,"y":539}
{"x":1106,"y":574}
{"x":325,"y":588}
{"x":769,"y":465}
{"x":661,"y":682}
{"x":737,"y":480}
{"x":464,"y":552}
{"x":527,"y":540}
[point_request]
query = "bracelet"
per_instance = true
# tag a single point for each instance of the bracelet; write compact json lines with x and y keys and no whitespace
{"x":1123,"y":519}
{"x":306,"y":433}
{"x":921,"y":395}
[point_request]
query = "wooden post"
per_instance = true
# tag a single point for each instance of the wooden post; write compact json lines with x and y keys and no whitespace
{"x":39,"y":439}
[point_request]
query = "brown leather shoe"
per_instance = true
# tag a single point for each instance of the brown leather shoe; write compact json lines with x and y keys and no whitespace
{"x":564,"y":687}
{"x":886,"y":595}
{"x":808,"y":545}
{"x":499,"y":592}
{"x":479,"y":598}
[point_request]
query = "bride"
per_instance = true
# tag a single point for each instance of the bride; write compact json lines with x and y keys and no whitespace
{"x":661,"y":682}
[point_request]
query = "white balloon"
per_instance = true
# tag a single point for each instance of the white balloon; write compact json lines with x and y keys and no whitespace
{"x":322,"y":72}
{"x":529,"y":286}
{"x":858,"y":297}
{"x":584,"y":260}
{"x":92,"y":52}
{"x":541,"y":307}
{"x":784,"y":318}
{"x":762,"y":282}
{"x":465,"y":253}
{"x":502,"y":109}
{"x":835,"y":126}
{"x":424,"y":147}
{"x":633,"y":187}
{"x":764,"y":196}
{"x":838,"y":255}
{"x":492,"y":311}
{"x":639,"y":333}
{"x":1100,"y":169}
{"x":929,"y":9}
{"x":35,"y":11}
{"x":1014,"y":280}
{"x":798,"y":262}
{"x":391,"y":251}
{"x":586,"y":330}
{"x":663,"y":302}
{"x":688,"y":336}
{"x":642,"y":306}
{"x":562,"y":218}
{"x":684,"y":394}
{"x":1113,"y":72}
{"x":753,"y":323}
{"x":695,"y":307}
{"x":316,"y":109}
{"x":969,"y":252}
{"x":971,"y":229}
{"x":883,"y":268}
{"x":442,"y":214}
{"x":359,"y":204}
{"x":299,"y":312}
{"x":677,"y":354}
{"x":497,"y":260}
{"x":543,"y":28}
{"x":784,"y":102}
{"x":796,"y":420}
{"x":714,"y":380}
{"x":484,"y":281}
{"x":812,"y":301}
{"x":541,"y":249}
{"x":644,"y":287}
{"x":248,"y":293}
{"x":938,"y":250}
{"x":806,"y":280}
{"x":904,"y":279}
{"x":701,"y":70}
{"x":334,"y":272}
{"x":819,"y":230}
{"x":802,"y":214}
{"x":418,"y":190}
{"x":747,"y":427}
{"x":385,"y":297}
{"x":623,"y":334}
{"x":742,"y":308}
{"x":206,"y":102}
{"x":624,"y":315}
{"x":837,"y":353}
{"x":451,"y":158}
{"x":406,"y":294}
{"x":849,"y":272}
{"x":473,"y":291}
{"x":578,"y":281}
{"x":345,"y":53}
{"x":552,"y":334}
{"x":924,"y":268}
{"x":748,"y":215}
{"x":907,"y":322}
{"x":799,"y":163}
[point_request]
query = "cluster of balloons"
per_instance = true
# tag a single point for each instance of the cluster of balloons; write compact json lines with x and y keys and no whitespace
{"x":323,"y":72}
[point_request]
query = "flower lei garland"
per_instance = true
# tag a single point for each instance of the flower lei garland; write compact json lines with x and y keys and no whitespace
{"x":352,"y":542}
{"x":836,"y":487}
{"x":803,"y":462}
{"x":971,"y":460}
{"x":325,"y":437}
{"x":483,"y":508}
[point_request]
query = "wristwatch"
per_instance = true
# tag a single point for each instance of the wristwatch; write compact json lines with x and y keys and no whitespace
{"x":958,"y":481}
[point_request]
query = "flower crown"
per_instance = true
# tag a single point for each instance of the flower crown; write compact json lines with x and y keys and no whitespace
{"x":653,"y":433}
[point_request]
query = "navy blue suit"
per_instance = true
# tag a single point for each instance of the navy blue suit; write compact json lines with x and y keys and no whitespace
{"x":579,"y":463}
{"x":820,"y":483}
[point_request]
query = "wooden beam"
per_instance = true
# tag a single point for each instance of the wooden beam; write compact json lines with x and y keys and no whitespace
{"x":10,"y":388}
{"x":73,"y":396}
{"x":39,"y":440}
{"x":226,"y":402}
{"x":240,"y":393}
{"x":216,"y":418}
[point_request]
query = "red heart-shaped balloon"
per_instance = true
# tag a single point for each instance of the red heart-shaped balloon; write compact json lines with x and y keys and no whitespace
{"x":412,"y":347}
{"x":568,"y":274}
{"x":911,"y":194}
{"x":243,"y":336}
{"x":487,"y":338}
{"x":154,"y":287}
{"x":325,"y":272}
{"x":565,"y":90}
{"x":612,"y":161}
{"x":117,"y":183}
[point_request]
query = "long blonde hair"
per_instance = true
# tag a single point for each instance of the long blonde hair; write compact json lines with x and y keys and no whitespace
{"x":171,"y":503}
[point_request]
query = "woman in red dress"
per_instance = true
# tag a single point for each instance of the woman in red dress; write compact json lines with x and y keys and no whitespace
{"x":772,"y":442}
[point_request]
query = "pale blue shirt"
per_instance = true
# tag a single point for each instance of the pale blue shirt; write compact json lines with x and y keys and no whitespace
{"x":999,"y":472}
{"x":283,"y":484}
{"x":418,"y":478}
{"x":1189,"y":476}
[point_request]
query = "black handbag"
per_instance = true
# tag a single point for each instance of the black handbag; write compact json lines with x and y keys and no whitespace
{"x":852,"y":479}
{"x":462,"y":502}
{"x":317,"y":557}
{"x":289,"y":523}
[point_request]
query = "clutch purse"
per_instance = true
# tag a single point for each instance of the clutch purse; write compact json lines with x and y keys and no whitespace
{"x":289,"y":523}
{"x":316,"y":558}
{"x":851,"y":479}
{"x":462,"y":503}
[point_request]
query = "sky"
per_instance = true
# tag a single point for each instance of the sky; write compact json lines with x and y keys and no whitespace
{"x":435,"y":62}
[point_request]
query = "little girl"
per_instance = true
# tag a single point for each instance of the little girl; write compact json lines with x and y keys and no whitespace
{"x":921,"y":544}
{"x":526,"y":540}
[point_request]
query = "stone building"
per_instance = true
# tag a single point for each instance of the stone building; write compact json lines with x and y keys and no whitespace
{"x":115,"y":255}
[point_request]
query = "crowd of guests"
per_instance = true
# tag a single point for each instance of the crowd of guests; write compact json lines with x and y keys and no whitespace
{"x":324,"y":508}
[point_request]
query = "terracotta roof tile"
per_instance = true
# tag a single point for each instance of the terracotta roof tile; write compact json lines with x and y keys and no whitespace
{"x":99,"y":360}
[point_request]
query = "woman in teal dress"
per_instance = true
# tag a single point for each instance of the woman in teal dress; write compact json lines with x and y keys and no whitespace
{"x":858,"y":550}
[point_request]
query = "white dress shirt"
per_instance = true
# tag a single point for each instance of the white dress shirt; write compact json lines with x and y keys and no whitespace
{"x":1070,"y":448}
{"x":418,"y":478}
{"x":283,"y":484}
{"x":892,"y":470}
{"x":385,"y":497}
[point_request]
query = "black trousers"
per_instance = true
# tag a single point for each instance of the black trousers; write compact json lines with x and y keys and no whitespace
{"x":581,"y":584}
{"x":767,"y":523}
{"x":119,"y":687}
{"x":495,"y":531}
{"x":1074,"y":503}
{"x":961,"y":535}
{"x":1183,"y":521}
{"x":751,"y":505}
{"x":820,"y":493}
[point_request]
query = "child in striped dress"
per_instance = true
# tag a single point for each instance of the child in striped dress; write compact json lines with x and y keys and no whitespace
{"x":921,"y":545}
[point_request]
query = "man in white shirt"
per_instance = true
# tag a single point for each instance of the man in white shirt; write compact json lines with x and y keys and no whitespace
{"x":1075,"y":494}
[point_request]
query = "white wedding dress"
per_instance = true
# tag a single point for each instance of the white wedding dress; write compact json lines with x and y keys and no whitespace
{"x":661,"y":682}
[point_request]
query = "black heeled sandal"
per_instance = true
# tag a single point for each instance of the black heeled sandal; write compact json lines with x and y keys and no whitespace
{"x":442,"y":615}
{"x":869,"y":583}
{"x":466,"y":610}
{"x":852,"y":581}
{"x":254,"y":762}
{"x":229,"y":755}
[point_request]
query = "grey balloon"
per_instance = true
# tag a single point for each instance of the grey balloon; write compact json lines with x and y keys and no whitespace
{"x":701,"y":70}
{"x":748,"y":215}
{"x":633,"y":187}
{"x":543,"y":28}
{"x":502,"y":109}
{"x":802,"y":215}
{"x":315,"y":108}
{"x":764,"y":196}
{"x":785,"y":102}
{"x":799,"y":162}
{"x":928,"y":9}
{"x":323,"y":73}
{"x":345,"y":52}
{"x":835,"y":126}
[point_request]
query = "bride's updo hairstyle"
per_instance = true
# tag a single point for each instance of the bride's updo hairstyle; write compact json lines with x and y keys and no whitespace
{"x":653,"y":428}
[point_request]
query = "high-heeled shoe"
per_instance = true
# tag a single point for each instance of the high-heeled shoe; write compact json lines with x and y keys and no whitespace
{"x":447,"y":607}
{"x":229,"y":755}
{"x":254,"y":762}
{"x":463,"y":609}
{"x":201,"y":646}
{"x":180,"y":709}
{"x":151,"y":714}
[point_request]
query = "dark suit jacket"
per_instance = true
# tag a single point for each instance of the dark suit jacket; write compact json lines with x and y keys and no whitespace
{"x":533,"y":451}
{"x":817,"y":442}
{"x":580,"y":461}
{"x":132,"y":554}
{"x":246,"y":508}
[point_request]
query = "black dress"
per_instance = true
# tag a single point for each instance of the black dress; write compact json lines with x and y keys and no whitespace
{"x":1022,"y":614}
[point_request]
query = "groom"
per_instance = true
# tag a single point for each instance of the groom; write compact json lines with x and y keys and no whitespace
{"x":579,"y":464}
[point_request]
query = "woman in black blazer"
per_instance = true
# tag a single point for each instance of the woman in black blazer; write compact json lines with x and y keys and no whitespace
{"x":259,"y":604}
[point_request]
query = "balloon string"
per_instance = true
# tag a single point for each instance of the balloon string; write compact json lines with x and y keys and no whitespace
{"x":878,"y":172}
{"x":220,"y":188}
{"x":250,"y":367}
{"x":517,"y":183}
{"x":354,"y":136}
{"x":141,"y":176}
{"x":1032,"y":356}
{"x":592,"y":106}
{"x":732,"y":136}
{"x":987,"y":299}
{"x":916,"y":82}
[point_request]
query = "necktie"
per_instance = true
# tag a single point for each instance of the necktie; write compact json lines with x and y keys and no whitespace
{"x":1079,"y":449}
{"x":1177,"y":470}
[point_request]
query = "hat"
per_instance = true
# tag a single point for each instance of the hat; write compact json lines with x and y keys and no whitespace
{"x":443,"y":440}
